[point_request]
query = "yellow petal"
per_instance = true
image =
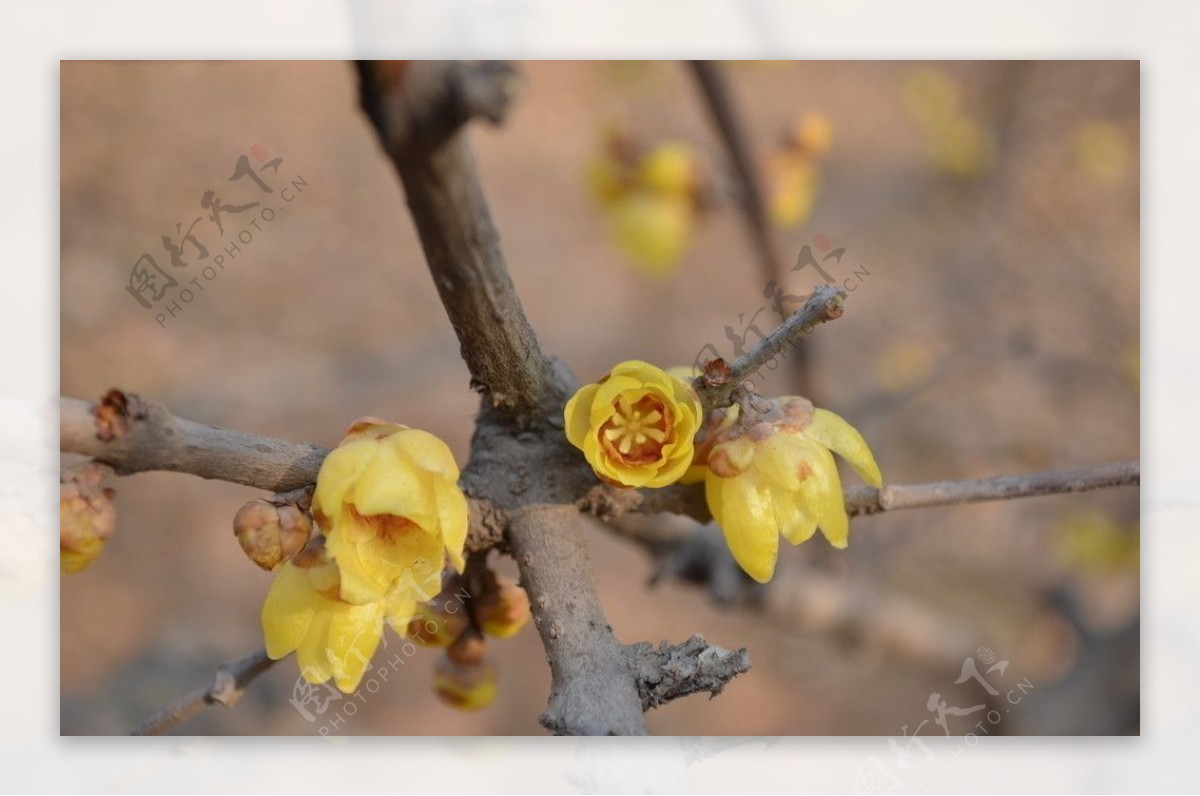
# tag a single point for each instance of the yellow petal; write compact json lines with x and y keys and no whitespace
{"x":399,"y":611}
{"x":820,"y":496}
{"x":313,"y":652}
{"x":748,"y":524}
{"x":338,"y":473}
{"x":606,"y":394}
{"x":354,"y":633}
{"x":843,"y":439}
{"x":577,"y":415}
{"x":426,"y":451}
{"x":794,"y":522}
{"x":453,"y":519}
{"x":781,"y":460}
{"x":393,"y":485}
{"x":287,"y":612}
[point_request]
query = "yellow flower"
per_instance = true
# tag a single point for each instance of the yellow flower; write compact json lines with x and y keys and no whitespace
{"x":635,"y":426}
{"x":792,"y":187}
{"x":388,"y":501}
{"x":773,"y":474}
{"x":651,"y":230}
{"x":670,"y":169}
{"x":86,"y":517}
{"x":303,"y":613}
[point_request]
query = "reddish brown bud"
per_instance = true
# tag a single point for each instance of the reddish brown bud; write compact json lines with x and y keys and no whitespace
{"x":469,"y":686}
{"x":270,"y":534}
{"x":503,"y":610}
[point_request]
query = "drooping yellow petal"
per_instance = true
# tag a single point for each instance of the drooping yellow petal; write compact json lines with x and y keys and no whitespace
{"x":749,"y":525}
{"x":338,"y":473}
{"x":354,"y":633}
{"x":313,"y":652}
{"x":577,"y":414}
{"x":453,"y":519}
{"x":287,"y":613}
{"x":843,"y":439}
{"x":821,"y":496}
{"x":795,"y":524}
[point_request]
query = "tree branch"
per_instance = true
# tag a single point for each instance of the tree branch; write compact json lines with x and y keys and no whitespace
{"x":154,"y":439}
{"x":670,"y":672}
{"x":592,"y":690}
{"x":519,"y":459}
{"x":431,"y":155}
{"x":151,"y":438}
{"x":719,"y":101}
{"x":825,"y":304}
{"x":610,"y":503}
{"x":868,"y":500}
{"x":225,"y":688}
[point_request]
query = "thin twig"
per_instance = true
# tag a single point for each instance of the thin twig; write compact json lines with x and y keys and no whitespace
{"x":719,"y":101}
{"x":154,"y":439}
{"x":825,"y":304}
{"x":720,"y":105}
{"x":610,"y":503}
{"x":225,"y":688}
{"x":868,"y":500}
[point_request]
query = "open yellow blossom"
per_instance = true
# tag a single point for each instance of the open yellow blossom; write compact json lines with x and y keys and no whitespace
{"x":388,"y":501}
{"x":635,"y":426}
{"x":775,"y":475}
{"x":303,"y":613}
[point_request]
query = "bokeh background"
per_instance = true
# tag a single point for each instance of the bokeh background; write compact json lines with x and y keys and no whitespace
{"x":993,"y":206}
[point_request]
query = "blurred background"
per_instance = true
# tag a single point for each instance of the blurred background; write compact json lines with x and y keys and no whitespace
{"x":988,"y":217}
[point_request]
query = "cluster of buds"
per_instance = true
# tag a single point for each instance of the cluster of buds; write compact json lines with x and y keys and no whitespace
{"x":792,"y":171}
{"x":457,"y":621}
{"x":766,"y":464}
{"x":650,"y":197}
{"x":86,"y":516}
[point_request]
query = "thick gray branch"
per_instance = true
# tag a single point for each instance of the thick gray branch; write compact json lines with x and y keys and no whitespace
{"x":461,"y":245}
{"x":592,"y":690}
{"x":225,"y":688}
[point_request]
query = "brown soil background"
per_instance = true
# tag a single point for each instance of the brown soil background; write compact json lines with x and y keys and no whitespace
{"x":1023,"y":284}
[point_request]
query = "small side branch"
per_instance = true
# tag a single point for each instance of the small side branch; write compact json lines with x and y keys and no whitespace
{"x":670,"y":672}
{"x":148,"y":437}
{"x":867,"y":500}
{"x":225,"y":688}
{"x":610,"y":503}
{"x":716,"y":388}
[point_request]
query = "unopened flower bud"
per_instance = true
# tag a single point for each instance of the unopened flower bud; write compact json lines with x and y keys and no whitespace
{"x":469,"y":649}
{"x":86,"y":517}
{"x":442,"y":620}
{"x":271,"y":534}
{"x":503,"y":610}
{"x":468,"y":686}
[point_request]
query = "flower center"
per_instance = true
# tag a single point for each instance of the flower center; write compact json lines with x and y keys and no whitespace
{"x":637,"y":430}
